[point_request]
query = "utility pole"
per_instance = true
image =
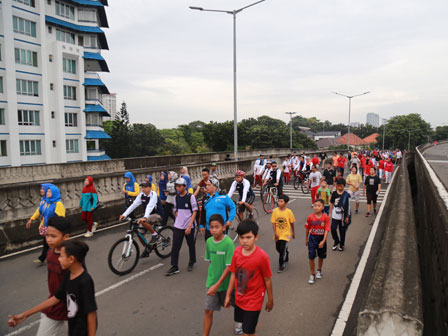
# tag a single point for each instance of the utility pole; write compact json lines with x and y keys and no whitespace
{"x":290,"y":128}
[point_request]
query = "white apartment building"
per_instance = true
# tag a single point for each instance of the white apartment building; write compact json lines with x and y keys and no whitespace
{"x":373,"y":119}
{"x":50,"y":92}
{"x":110,"y":104}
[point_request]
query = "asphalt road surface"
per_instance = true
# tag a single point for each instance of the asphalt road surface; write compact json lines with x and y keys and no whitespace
{"x":146,"y":302}
{"x":437,"y":157}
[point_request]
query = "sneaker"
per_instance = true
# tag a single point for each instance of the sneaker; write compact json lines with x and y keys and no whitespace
{"x":190,"y":267}
{"x":281,"y":269}
{"x":238,"y":328}
{"x":368,"y":214}
{"x":38,"y":261}
{"x":173,"y":270}
{"x":374,"y":211}
{"x":312,"y":279}
{"x":335,"y":247}
{"x":341,"y":248}
{"x":251,"y":215}
{"x":88,"y":234}
{"x":145,"y":253}
{"x":319,"y":274}
{"x":356,"y":211}
{"x":154,"y":239}
{"x":95,"y":226}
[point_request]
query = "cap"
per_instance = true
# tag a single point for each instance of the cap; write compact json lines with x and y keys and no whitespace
{"x":146,"y":184}
{"x":214,"y":181}
{"x":181,"y":181}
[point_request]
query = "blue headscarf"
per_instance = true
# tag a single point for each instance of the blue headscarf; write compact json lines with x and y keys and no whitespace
{"x":162,"y":186}
{"x":45,"y":186}
{"x":47,"y":210}
{"x":149,"y":178}
{"x":130,"y":185}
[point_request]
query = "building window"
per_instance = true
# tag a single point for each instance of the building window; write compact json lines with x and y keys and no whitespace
{"x":65,"y":36}
{"x":90,"y":41}
{"x":91,"y":145}
{"x":23,"y":26}
{"x":69,"y":92}
{"x":92,"y":94}
{"x":69,"y":65}
{"x":93,"y":119}
{"x":65,"y":10}
{"x":26,"y":57}
{"x":71,"y":146}
{"x":30,"y":147}
{"x":3,"y":151}
{"x":88,"y":15}
{"x":71,"y":119}
{"x":1,"y":84}
{"x":28,"y":118}
{"x":26,"y":2}
{"x":27,"y":88}
{"x":2,"y":116}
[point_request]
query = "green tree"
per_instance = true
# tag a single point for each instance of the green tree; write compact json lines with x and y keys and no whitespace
{"x":441,"y":133}
{"x":174,"y":142}
{"x":219,"y":136}
{"x":146,"y":140}
{"x":119,"y":146}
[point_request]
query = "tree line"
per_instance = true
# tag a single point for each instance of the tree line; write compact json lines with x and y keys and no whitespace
{"x":133,"y":140}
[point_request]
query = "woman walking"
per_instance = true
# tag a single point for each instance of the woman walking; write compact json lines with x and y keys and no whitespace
{"x":88,"y":204}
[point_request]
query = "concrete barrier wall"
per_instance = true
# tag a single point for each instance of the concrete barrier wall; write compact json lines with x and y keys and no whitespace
{"x":432,"y":229}
{"x":393,"y":300}
{"x":19,"y":200}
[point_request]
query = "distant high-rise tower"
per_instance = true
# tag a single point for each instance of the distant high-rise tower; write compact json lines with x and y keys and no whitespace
{"x":373,"y":119}
{"x":51,"y":107}
{"x":110,"y":104}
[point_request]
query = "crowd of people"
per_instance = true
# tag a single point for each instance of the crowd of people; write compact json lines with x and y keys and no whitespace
{"x":237,"y":276}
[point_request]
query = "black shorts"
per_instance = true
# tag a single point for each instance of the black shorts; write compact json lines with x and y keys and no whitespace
{"x":371,"y":198}
{"x":249,"y":199}
{"x":249,"y":319}
{"x":313,"y":246}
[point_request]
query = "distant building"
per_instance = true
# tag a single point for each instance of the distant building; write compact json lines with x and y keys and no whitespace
{"x":110,"y":104}
{"x":326,"y":135}
{"x":373,"y":119}
{"x":355,"y":141}
{"x":327,"y":142}
{"x":371,"y":139}
{"x":355,"y":124}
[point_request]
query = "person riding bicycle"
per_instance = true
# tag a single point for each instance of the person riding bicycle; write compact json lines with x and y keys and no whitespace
{"x":247,"y":196}
{"x":275,"y":178}
{"x":266,"y":172}
{"x":148,"y":200}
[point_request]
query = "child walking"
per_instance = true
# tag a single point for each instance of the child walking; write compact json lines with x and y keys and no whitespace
{"x":88,"y":204}
{"x":251,"y":278}
{"x":340,"y":214}
{"x":77,"y":289}
{"x":314,"y":181}
{"x":282,"y":224}
{"x":324,"y":194}
{"x":218,"y":251}
{"x":317,"y":227}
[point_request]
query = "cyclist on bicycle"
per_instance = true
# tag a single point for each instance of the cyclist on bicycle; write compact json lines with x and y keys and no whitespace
{"x":148,"y":201}
{"x":247,"y":196}
{"x":266,"y":171}
{"x":275,"y":178}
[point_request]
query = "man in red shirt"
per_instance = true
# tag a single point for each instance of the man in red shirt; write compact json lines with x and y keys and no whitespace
{"x":315,"y":160}
{"x":341,"y":163}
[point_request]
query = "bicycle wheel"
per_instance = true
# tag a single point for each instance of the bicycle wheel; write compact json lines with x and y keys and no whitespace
{"x":165,"y":242}
{"x":296,"y":182}
{"x":231,"y":232}
{"x":254,"y":213}
{"x":305,"y":188}
{"x":268,"y":203}
{"x":123,"y":258}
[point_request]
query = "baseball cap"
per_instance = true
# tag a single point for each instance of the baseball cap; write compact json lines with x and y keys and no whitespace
{"x":146,"y":184}
{"x":181,"y":181}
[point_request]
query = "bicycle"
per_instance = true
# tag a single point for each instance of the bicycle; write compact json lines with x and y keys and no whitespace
{"x":302,"y":181}
{"x":231,"y":230}
{"x":270,"y":199}
{"x":125,"y":252}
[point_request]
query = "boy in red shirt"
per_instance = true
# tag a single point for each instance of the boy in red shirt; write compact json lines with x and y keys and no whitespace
{"x":381,"y":167}
{"x":315,"y":160}
{"x":388,"y":168}
{"x":341,"y":163}
{"x":317,"y":227}
{"x":251,"y":278}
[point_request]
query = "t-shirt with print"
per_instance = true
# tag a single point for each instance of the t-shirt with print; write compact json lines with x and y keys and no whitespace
{"x":329,"y":175}
{"x":79,"y":294}
{"x":55,"y":277}
{"x":220,"y":256}
{"x":315,"y":179}
{"x":324,"y":195}
{"x":250,"y":272}
{"x":355,"y":179}
{"x":337,"y":211}
{"x":318,"y":225}
{"x":372,"y":183}
{"x":282,"y":221}
{"x":184,"y":213}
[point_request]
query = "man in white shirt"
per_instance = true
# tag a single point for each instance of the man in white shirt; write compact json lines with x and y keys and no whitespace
{"x":258,"y":171}
{"x":286,"y":165}
{"x":314,"y":182}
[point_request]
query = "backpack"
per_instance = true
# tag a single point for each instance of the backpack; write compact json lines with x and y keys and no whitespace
{"x":345,"y":198}
{"x":189,"y":206}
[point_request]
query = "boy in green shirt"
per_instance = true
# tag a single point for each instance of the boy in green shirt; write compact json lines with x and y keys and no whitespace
{"x":219,"y":251}
{"x":324,"y":194}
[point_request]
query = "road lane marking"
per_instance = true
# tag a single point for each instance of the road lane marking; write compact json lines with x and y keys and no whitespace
{"x":104,"y":291}
{"x":344,"y":313}
{"x":438,"y":161}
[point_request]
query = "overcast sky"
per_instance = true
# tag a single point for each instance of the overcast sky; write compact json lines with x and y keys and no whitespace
{"x":173,"y":65}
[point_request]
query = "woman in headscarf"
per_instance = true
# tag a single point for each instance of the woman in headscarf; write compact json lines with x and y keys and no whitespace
{"x":148,"y":178}
{"x":50,"y":208}
{"x":131,"y":189}
{"x":184,"y":174}
{"x":88,"y":203}
{"x":43,"y":196}
{"x":170,"y":193}
{"x":162,"y":187}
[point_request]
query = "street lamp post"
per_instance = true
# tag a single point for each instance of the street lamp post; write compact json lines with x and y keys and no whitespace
{"x":349,"y":111}
{"x":409,"y":138}
{"x":290,"y":128}
{"x":235,"y":114}
{"x":384,"y":130}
